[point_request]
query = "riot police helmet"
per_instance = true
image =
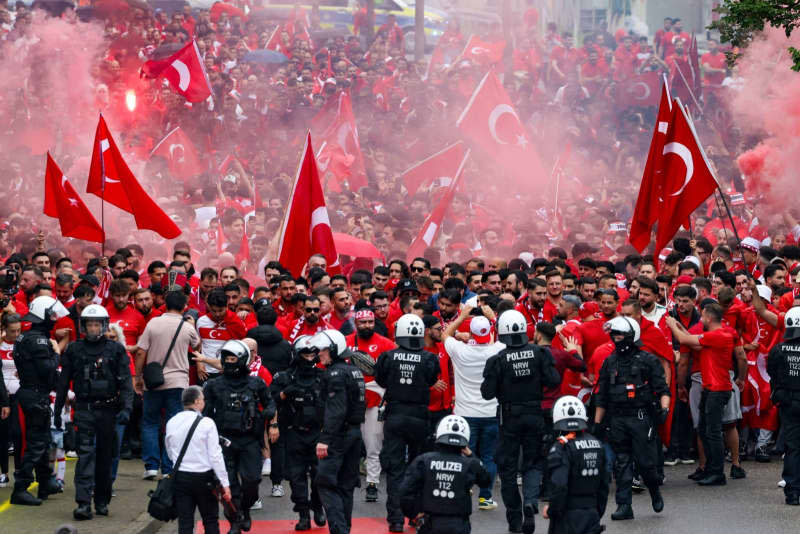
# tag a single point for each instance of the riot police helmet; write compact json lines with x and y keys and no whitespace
{"x":237,"y":348}
{"x":453,"y":430}
{"x":409,"y":332}
{"x":630,"y":332}
{"x":302,"y":348}
{"x":512,"y":329}
{"x":333,"y":341}
{"x":569,"y":414}
{"x":792,"y":323}
{"x":94,"y":313}
{"x":45,"y":309}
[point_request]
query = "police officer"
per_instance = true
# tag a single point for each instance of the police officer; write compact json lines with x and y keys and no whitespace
{"x":437,"y":484}
{"x":339,"y":446}
{"x":99,"y":370}
{"x":516,"y":376}
{"x":37,"y":366}
{"x":577,"y":476}
{"x":297,"y":394}
{"x":630,"y":382}
{"x":241,"y":406}
{"x":407,"y":373}
{"x":783,"y":366}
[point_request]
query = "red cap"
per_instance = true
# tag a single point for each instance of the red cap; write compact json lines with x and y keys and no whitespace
{"x":588,"y":309}
{"x":391,"y":284}
{"x":685,"y":279}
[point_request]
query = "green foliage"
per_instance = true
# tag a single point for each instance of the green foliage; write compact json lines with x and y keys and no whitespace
{"x":741,"y":19}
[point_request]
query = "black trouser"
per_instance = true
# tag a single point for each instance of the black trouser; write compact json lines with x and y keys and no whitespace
{"x":97,"y":445}
{"x":301,"y":462}
{"x":401,"y":434}
{"x":790,"y":424}
{"x":243,"y":462}
{"x":445,"y":525}
{"x":631,"y":438}
{"x":277,"y":455}
{"x":712,"y":405}
{"x":520,"y":433}
{"x":576,"y":521}
{"x":195,"y":490}
{"x":36,"y":410}
{"x":337,"y":478}
{"x":681,"y":436}
{"x":10,"y":432}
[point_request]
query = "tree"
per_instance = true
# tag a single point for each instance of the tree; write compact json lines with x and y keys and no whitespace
{"x":741,"y":19}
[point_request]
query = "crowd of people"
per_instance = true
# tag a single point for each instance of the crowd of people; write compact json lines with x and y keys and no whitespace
{"x":226,"y":314}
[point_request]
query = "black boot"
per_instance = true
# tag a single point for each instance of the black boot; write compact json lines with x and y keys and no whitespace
{"x":319,"y":517}
{"x":101,"y":509}
{"x":82,"y":512}
{"x":246,"y":522}
{"x":235,"y":528}
{"x":792,"y":500}
{"x":624,"y":511}
{"x":48,"y":487}
{"x":656,"y":499}
{"x":24,"y":498}
{"x":304,"y":523}
{"x":528,"y":519}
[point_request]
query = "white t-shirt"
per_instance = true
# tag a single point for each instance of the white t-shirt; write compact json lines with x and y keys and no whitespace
{"x":468,"y":364}
{"x":9,"y":368}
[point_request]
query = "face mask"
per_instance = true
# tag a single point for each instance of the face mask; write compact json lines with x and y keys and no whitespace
{"x":365,"y":333}
{"x":625,"y":347}
{"x":305,"y":364}
{"x":231,"y":369}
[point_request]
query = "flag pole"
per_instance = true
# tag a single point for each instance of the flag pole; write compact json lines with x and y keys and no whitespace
{"x":102,"y":195}
{"x":733,"y":225}
{"x":691,"y":93}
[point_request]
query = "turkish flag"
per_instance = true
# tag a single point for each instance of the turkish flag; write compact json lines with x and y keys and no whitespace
{"x":334,"y":165}
{"x":185,"y":72}
{"x":491,"y":122}
{"x":694,"y":63}
{"x":686,"y":180}
{"x":306,"y":226}
{"x":442,"y":166}
{"x":638,"y":91}
{"x":180,"y":153}
{"x":62,"y":202}
{"x":646,"y":212}
{"x":112,"y":180}
{"x":335,"y":125}
{"x":433,"y":223}
{"x":482,"y":52}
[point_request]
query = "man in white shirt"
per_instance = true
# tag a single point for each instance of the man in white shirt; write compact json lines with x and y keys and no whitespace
{"x":468,"y":361}
{"x":202,"y":464}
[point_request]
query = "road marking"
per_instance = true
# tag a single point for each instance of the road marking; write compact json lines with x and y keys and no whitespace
{"x":7,"y":504}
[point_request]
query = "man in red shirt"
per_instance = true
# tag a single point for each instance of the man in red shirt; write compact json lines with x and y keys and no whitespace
{"x":594,"y":73}
{"x":532,"y":306}
{"x":658,"y":40}
{"x":120,"y":312}
{"x":713,"y":63}
{"x":365,"y":339}
{"x":569,"y":312}
{"x":555,"y":287}
{"x":310,"y":322}
{"x":341,"y":312}
{"x":715,"y":346}
{"x":441,"y":402}
{"x":143,"y":302}
{"x":285,"y":303}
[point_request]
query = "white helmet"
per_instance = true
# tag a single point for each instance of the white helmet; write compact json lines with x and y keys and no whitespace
{"x":94,"y":312}
{"x":626,"y":327}
{"x":792,"y":323}
{"x":512,"y":329}
{"x":45,"y":309}
{"x":235,"y":347}
{"x":569,"y":414}
{"x":333,"y":340}
{"x":453,"y":430}
{"x":409,"y":332}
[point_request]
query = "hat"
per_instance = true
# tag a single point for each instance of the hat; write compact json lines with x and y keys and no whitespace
{"x":588,"y":309}
{"x":664,"y":253}
{"x":230,"y":178}
{"x":430,"y":320}
{"x":191,"y":312}
{"x":90,"y":279}
{"x":695,"y":260}
{"x":764,"y":292}
{"x":582,"y":248}
{"x":364,"y":313}
{"x":685,"y":279}
{"x":527,"y":257}
{"x":750,"y":243}
{"x":481,"y":330}
{"x":406,"y":285}
{"x":261,"y":303}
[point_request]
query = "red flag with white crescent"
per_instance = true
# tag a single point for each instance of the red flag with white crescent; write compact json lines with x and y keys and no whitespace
{"x":482,"y":52}
{"x":335,"y":125}
{"x":185,"y":72}
{"x":441,"y":166}
{"x":180,"y":153}
{"x":306,"y":226}
{"x":62,"y":202}
{"x":638,"y":91}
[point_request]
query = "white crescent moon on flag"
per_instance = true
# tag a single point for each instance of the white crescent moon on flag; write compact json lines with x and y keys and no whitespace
{"x":105,"y":145}
{"x":319,"y":216}
{"x":172,"y":149}
{"x":183,"y":74}
{"x":501,"y":109}
{"x":686,"y":155}
{"x":646,"y":93}
{"x":477,"y":50}
{"x":341,"y":136}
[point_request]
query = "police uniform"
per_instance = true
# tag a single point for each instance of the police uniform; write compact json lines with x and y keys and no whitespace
{"x":783,"y":366}
{"x":300,"y":417}
{"x":101,"y":379}
{"x":407,"y":375}
{"x":516,"y":376}
{"x":240,"y":405}
{"x":628,"y":387}
{"x":337,"y":474}
{"x":37,"y":367}
{"x":577,"y":484}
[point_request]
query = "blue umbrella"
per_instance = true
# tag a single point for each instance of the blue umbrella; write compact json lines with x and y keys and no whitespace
{"x":267,"y":57}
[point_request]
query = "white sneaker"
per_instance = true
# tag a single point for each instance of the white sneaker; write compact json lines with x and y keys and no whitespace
{"x":266,"y":469}
{"x":277,"y":490}
{"x":782,"y":483}
{"x":71,"y":454}
{"x":150,"y":474}
{"x":258,"y":505}
{"x":3,"y":480}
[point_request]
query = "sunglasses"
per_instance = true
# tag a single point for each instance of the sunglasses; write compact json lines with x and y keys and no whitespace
{"x":418,"y":269}
{"x":312,"y":310}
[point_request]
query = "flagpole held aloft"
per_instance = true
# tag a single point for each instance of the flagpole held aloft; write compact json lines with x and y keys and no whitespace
{"x":102,"y":197}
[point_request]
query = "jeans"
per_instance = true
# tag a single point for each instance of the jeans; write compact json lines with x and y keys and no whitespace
{"x":712,"y":405}
{"x":168,"y":400}
{"x":483,"y":432}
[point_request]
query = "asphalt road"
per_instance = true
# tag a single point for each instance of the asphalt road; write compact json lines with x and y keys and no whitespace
{"x":753,"y":505}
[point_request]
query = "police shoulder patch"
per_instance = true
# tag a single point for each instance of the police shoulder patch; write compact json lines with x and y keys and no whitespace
{"x":42,"y":341}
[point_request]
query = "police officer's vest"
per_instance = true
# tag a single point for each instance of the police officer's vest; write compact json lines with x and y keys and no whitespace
{"x":307,"y":409}
{"x":586,"y":460}
{"x":406,"y":383}
{"x":787,"y":356}
{"x":629,"y":384}
{"x":521,"y":380}
{"x":94,"y":378}
{"x":36,"y":361}
{"x":237,"y":408}
{"x":355,"y":390}
{"x":445,"y":490}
